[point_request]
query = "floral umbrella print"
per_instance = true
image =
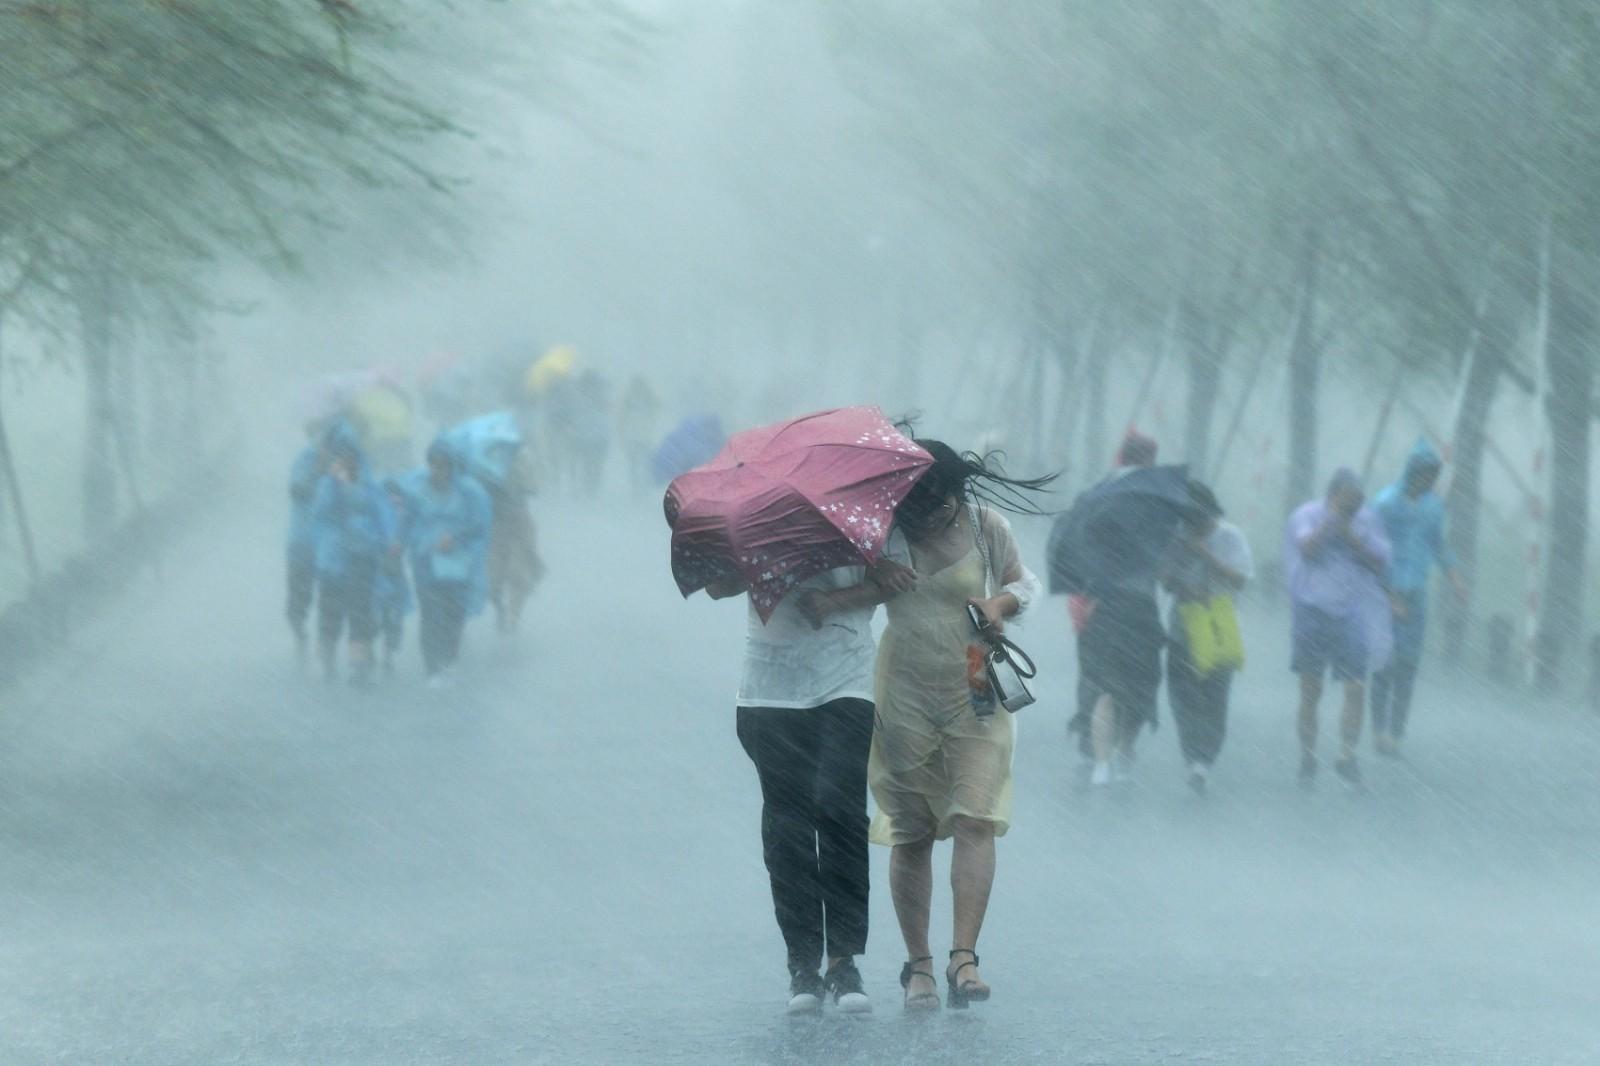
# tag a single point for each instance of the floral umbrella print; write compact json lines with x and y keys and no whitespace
{"x":783,"y":503}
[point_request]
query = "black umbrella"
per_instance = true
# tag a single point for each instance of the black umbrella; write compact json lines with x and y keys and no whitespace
{"x":1116,"y":532}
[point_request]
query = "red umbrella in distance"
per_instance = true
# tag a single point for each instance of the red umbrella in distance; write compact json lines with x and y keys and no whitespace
{"x":786,"y":502}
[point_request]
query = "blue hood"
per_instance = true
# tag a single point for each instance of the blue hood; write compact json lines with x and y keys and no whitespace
{"x":1423,"y":457}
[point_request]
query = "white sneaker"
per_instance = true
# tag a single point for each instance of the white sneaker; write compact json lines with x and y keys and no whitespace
{"x":1197,"y":777}
{"x":1122,"y":770}
{"x":844,"y":981}
{"x":1101,"y":774}
{"x":440,"y":680}
{"x":805,"y":994}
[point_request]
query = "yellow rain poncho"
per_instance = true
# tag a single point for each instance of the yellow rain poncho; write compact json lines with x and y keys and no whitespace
{"x":558,"y":363}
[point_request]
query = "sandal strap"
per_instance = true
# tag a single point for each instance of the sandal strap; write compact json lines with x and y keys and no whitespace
{"x":909,"y":970}
{"x":955,"y":976}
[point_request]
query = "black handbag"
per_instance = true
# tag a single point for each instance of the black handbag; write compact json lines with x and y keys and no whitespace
{"x":1008,"y":667}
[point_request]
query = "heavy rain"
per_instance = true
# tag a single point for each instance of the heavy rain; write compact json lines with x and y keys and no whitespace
{"x":834,"y":532}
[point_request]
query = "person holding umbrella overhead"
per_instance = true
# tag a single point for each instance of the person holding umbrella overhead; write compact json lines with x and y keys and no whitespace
{"x":790,"y":516}
{"x":1107,"y":549}
{"x":804,"y":718}
{"x":941,"y":757}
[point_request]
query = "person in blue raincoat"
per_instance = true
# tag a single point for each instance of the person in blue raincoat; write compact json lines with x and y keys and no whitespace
{"x":391,"y":591}
{"x":448,"y":538}
{"x":1413,"y":518}
{"x":354,"y":528}
{"x":307,"y":471}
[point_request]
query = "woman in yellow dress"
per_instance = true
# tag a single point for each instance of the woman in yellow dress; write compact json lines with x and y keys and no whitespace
{"x":940,"y":765}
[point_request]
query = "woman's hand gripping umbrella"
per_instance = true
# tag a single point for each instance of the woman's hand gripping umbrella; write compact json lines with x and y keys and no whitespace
{"x":786,"y":502}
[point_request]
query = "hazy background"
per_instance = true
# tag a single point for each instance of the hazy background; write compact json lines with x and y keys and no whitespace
{"x":1280,"y":236}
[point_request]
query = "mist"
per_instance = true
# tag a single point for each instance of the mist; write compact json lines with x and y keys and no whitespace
{"x":579,"y":247}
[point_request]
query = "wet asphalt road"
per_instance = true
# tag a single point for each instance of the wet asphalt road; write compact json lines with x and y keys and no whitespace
{"x":212,"y":860}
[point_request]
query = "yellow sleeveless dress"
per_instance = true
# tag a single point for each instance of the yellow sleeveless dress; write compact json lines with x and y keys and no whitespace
{"x":932,"y":757}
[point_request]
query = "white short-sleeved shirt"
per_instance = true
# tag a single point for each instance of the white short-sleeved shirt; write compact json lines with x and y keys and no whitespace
{"x":1231,"y":548}
{"x":787,"y":664}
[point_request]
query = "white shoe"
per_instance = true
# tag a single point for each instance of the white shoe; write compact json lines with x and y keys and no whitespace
{"x":1122,"y":770}
{"x":1101,"y":774}
{"x":1197,"y":777}
{"x":440,"y":680}
{"x":805,"y":994}
{"x":854,"y":1003}
{"x":844,"y":982}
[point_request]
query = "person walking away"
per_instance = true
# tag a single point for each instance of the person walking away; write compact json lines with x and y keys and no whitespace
{"x":638,"y":429}
{"x":304,"y":474}
{"x":1337,"y":554}
{"x":940,"y":765}
{"x":804,"y":717}
{"x":1208,"y":564}
{"x":1413,"y":520}
{"x":1120,"y":637}
{"x":514,"y":564}
{"x":354,"y":525}
{"x":591,"y":430}
{"x":391,"y":594}
{"x":448,"y":541}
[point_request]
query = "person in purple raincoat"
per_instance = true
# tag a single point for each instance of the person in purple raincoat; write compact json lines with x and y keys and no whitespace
{"x":1336,"y":554}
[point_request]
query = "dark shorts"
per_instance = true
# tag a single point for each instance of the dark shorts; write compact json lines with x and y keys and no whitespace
{"x":1119,"y":654}
{"x":1324,"y":642}
{"x":346,"y":600}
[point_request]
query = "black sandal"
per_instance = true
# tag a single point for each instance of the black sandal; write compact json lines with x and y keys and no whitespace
{"x":962,"y":992}
{"x":922,"y":1000}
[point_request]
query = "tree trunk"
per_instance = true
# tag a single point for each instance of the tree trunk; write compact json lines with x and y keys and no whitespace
{"x":1464,"y":499}
{"x":1570,"y":366}
{"x":99,"y":461}
{"x":1064,"y":419}
{"x":1095,"y":454}
{"x":1204,"y":388}
{"x":1305,"y":373}
{"x":13,"y":490}
{"x":1210,"y":338}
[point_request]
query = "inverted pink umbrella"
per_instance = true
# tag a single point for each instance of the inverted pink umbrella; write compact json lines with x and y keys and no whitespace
{"x":786,"y":502}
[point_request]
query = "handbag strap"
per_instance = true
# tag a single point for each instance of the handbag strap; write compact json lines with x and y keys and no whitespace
{"x":1003,"y":646}
{"x":976,"y":518}
{"x":1009,"y":650}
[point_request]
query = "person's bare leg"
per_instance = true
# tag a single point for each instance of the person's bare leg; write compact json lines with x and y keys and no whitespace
{"x":1355,"y":705}
{"x":971,"y":879}
{"x":1310,"y":696}
{"x":911,"y":888}
{"x":1103,"y":728}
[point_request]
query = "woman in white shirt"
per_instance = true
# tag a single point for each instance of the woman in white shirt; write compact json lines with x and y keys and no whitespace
{"x":805,"y":719}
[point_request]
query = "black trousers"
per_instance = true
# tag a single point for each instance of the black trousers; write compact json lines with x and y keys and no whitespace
{"x":346,"y":599}
{"x":813,"y":769}
{"x":302,"y":586}
{"x":1391,"y":696}
{"x":1199,"y":706}
{"x":443,"y":611}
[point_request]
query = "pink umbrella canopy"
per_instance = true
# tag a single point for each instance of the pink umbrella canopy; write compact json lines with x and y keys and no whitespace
{"x":786,"y":502}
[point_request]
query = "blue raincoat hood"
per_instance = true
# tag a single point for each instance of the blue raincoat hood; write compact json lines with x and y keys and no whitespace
{"x":1423,"y":457}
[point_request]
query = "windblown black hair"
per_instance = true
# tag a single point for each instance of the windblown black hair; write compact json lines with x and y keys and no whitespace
{"x":971,"y":477}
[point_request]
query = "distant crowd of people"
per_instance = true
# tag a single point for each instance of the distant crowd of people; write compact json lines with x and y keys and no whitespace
{"x":373,"y":538}
{"x":359,"y":544}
